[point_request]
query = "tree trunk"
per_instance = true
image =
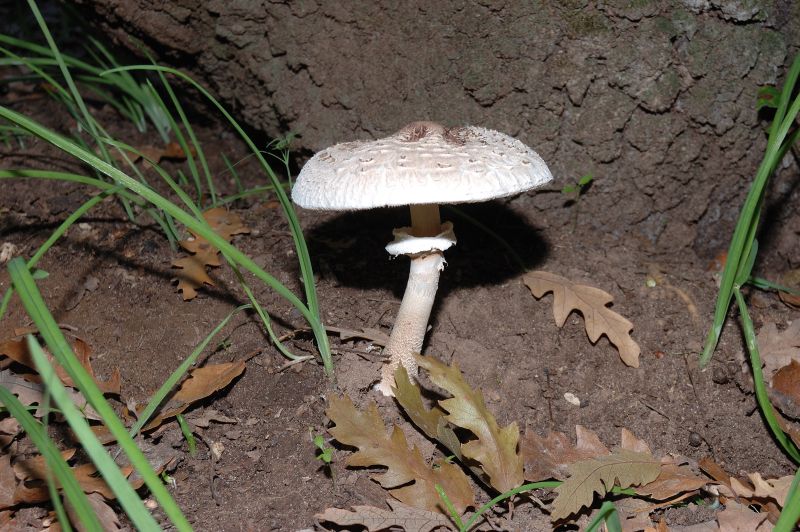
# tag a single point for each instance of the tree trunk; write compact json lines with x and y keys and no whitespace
{"x":657,"y":99}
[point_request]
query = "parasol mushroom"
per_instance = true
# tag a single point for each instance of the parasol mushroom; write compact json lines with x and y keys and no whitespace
{"x":422,"y":165}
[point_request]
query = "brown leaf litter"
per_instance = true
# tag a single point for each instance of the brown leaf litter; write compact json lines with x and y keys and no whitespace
{"x":592,"y":303}
{"x":192,"y":274}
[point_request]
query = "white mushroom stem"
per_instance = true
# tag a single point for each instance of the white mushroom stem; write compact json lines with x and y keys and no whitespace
{"x":412,"y":319}
{"x":411,"y":322}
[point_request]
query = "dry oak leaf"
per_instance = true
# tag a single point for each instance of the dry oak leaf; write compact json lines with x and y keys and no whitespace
{"x":495,"y":448}
{"x":591,"y":302}
{"x":35,"y":469}
{"x":376,"y":336}
{"x":109,"y":520}
{"x":410,"y":479}
{"x":790,"y":279}
{"x":16,"y":349}
{"x":374,"y":519}
{"x":785,"y":393}
{"x":775,"y":489}
{"x":192,"y":273}
{"x":200,"y":383}
{"x":671,"y":481}
{"x":8,"y":482}
{"x":598,"y":475}
{"x":30,"y":393}
{"x":550,"y":456}
{"x":148,"y":152}
{"x":778,"y":348}
{"x":432,"y":422}
{"x":739,"y":518}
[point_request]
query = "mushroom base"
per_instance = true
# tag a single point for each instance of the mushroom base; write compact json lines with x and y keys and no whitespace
{"x":411,"y":323}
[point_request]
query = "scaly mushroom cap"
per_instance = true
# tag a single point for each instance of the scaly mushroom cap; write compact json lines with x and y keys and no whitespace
{"x":422,"y":163}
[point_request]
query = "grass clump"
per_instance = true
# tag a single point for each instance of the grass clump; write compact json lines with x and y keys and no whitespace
{"x":111,"y":170}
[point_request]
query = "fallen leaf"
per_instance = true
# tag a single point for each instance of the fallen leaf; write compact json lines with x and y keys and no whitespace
{"x":715,"y":471}
{"x":591,"y":302}
{"x":30,"y":393}
{"x":16,"y":349}
{"x":374,"y":519}
{"x":203,"y":419}
{"x":790,"y":279}
{"x":432,"y":422}
{"x":786,"y":389}
{"x":36,"y":468}
{"x":598,"y":475}
{"x":200,"y":383}
{"x":9,"y":428}
{"x":630,"y":442}
{"x":172,"y":150}
{"x":192,"y":273}
{"x":408,"y":477}
{"x":105,"y":514}
{"x":495,"y":448}
{"x":8,"y":482}
{"x":775,"y":489}
{"x":671,"y":481}
{"x":550,"y":456}
{"x":778,"y":348}
{"x":739,"y":518}
{"x":376,"y":336}
{"x":7,"y":520}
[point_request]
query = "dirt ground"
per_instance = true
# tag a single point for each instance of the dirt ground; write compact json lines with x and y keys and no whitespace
{"x":485,"y":320}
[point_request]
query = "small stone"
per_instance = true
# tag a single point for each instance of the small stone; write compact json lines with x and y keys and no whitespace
{"x":217,"y":448}
{"x":720,"y":375}
{"x":7,"y":252}
{"x":695,"y":440}
{"x":572,"y":399}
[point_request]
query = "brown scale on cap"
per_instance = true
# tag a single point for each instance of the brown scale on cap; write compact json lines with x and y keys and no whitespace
{"x":416,"y":131}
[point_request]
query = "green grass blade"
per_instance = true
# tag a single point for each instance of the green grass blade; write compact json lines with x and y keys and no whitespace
{"x":451,"y":509}
{"x":547,"y":484}
{"x":746,"y":266}
{"x":607,"y":515}
{"x":76,"y":96}
{"x":758,"y":380}
{"x":35,"y":307}
{"x":186,"y":430}
{"x":747,"y":225}
{"x":55,"y":462}
{"x":764,"y":284}
{"x":265,"y":319}
{"x":233,"y":172}
{"x":189,"y":131}
{"x":126,"y":495}
{"x":791,"y":507}
{"x":182,"y":143}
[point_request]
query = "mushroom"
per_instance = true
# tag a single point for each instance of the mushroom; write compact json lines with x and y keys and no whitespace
{"x":422,"y":166}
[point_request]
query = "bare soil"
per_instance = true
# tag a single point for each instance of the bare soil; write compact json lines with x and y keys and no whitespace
{"x":485,"y":320}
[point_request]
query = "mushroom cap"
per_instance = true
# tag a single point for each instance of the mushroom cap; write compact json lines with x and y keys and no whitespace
{"x":422,"y":163}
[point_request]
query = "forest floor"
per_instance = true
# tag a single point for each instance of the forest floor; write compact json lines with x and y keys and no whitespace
{"x":111,"y":284}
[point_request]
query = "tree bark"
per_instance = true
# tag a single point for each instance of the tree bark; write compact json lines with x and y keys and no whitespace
{"x":657,"y":99}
